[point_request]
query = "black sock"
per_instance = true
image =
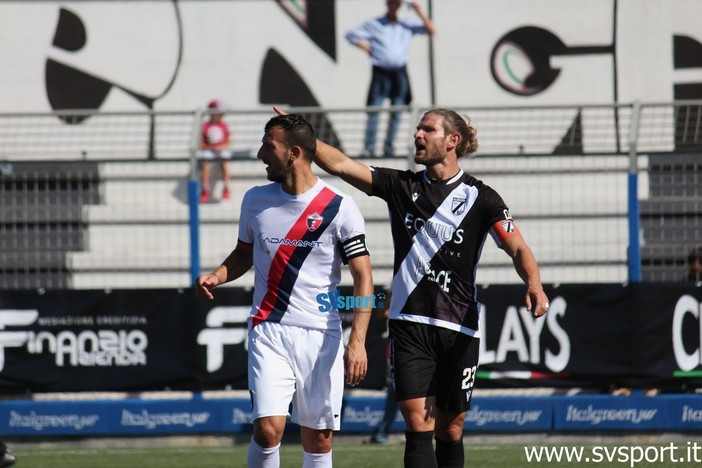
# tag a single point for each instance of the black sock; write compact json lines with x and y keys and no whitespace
{"x":449,"y":454}
{"x":419,"y":450}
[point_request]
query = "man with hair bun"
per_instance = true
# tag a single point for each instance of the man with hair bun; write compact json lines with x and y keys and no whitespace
{"x":440,"y":218}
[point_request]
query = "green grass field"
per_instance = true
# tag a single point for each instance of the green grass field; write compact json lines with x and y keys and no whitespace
{"x":346,"y":455}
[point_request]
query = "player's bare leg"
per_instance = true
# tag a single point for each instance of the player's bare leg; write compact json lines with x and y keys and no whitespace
{"x":204,"y":181}
{"x":449,"y":438}
{"x":264,"y":450}
{"x":225,"y":179}
{"x":317,"y":445}
{"x":419,"y":423}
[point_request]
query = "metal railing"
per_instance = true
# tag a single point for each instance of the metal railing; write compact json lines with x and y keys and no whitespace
{"x":105,"y":200}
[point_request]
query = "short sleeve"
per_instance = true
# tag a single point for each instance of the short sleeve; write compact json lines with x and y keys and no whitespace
{"x":494,"y":207}
{"x":352,"y":222}
{"x":245,"y":233}
{"x":383,"y":181}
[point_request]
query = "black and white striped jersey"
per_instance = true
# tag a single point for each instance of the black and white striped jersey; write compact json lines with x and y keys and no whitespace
{"x":438,"y":230}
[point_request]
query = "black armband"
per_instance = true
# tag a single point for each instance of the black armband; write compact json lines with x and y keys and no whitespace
{"x":352,"y":248}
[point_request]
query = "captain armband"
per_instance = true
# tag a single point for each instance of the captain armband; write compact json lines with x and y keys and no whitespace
{"x":503,"y":230}
{"x":353,"y":247}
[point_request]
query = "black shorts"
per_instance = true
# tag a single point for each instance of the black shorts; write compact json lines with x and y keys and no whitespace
{"x":433,"y":361}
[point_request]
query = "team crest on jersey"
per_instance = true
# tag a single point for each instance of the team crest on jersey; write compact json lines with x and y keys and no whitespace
{"x":508,"y":226}
{"x":458,"y":206}
{"x":508,"y":223}
{"x":314,"y":221}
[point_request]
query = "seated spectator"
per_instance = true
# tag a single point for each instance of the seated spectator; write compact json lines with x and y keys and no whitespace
{"x":214,"y":146}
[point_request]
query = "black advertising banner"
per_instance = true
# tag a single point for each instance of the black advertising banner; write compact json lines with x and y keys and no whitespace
{"x":594,"y":335}
{"x":139,"y":340}
{"x":93,"y":340}
{"x":136,"y":340}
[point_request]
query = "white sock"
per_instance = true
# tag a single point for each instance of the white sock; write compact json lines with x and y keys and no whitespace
{"x":317,"y":460}
{"x":260,"y":457}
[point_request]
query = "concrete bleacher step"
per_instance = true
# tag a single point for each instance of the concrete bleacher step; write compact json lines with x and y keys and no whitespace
{"x":664,"y":206}
{"x":215,"y":211}
{"x":671,"y":228}
{"x":672,"y":252}
{"x":673,"y":273}
{"x":550,"y":275}
{"x":40,"y":219}
{"x":150,"y":245}
{"x":114,"y":279}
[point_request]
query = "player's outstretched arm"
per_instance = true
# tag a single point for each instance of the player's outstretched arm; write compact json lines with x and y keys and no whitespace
{"x":355,"y":358}
{"x":337,"y":163}
{"x":234,"y":266}
{"x":525,"y":264}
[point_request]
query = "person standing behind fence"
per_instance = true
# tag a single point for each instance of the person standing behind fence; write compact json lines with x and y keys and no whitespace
{"x":215,"y":139}
{"x":296,"y":232}
{"x":387,"y":39}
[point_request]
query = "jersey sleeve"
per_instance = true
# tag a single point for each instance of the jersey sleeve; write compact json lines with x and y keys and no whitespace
{"x":352,"y":222}
{"x":384,"y":182}
{"x":498,"y":219}
{"x":246,"y":234}
{"x":361,"y":32}
{"x":351,"y":232}
{"x":415,"y":26}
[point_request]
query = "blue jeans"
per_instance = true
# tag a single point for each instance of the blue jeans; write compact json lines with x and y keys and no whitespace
{"x":386,"y":84}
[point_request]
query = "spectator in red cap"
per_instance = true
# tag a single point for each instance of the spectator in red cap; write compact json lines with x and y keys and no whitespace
{"x":214,"y":146}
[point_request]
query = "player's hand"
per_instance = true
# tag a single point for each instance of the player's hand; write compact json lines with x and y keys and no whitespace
{"x":536,"y":302}
{"x":205,"y":284}
{"x":279,"y":111}
{"x":355,"y":363}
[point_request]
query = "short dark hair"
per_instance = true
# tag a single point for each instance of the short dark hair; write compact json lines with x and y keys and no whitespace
{"x":298,"y":132}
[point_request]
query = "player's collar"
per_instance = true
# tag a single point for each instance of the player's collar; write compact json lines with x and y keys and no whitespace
{"x":445,"y":182}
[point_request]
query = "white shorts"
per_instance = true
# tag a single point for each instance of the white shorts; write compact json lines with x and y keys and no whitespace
{"x":211,"y":155}
{"x":299,"y":365}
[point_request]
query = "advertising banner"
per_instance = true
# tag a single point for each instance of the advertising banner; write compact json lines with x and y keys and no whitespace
{"x":139,"y":340}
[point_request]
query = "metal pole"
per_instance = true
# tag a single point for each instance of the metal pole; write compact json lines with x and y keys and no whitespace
{"x":194,"y":201}
{"x":432,"y":81}
{"x":634,"y":252}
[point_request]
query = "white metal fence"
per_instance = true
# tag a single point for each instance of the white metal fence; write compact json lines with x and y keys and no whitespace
{"x":99,"y":200}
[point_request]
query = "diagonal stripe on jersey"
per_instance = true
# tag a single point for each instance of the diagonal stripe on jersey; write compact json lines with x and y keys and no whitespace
{"x":425,"y":247}
{"x":288,"y":259}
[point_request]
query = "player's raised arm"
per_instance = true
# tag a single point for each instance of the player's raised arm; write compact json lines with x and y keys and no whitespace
{"x":337,"y":163}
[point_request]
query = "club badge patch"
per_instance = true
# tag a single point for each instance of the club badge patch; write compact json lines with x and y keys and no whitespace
{"x":458,"y":206}
{"x":508,"y":226}
{"x":314,"y":221}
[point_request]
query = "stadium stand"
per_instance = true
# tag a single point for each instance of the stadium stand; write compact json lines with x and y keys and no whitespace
{"x":671,"y":219}
{"x":41,"y":207}
{"x":78,"y":213}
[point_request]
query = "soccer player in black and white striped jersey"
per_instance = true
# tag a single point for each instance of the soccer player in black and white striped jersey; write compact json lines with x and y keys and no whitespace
{"x":440,"y":218}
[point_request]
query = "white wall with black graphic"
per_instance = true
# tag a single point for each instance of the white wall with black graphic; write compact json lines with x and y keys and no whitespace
{"x":178,"y":54}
